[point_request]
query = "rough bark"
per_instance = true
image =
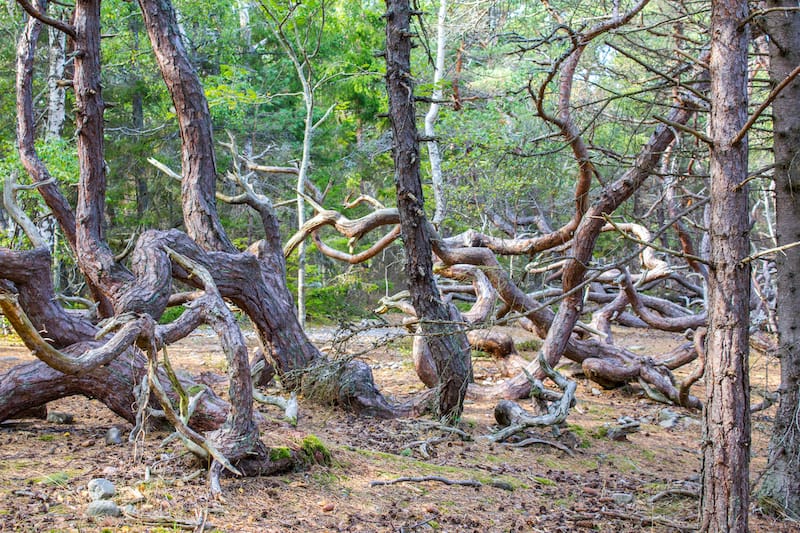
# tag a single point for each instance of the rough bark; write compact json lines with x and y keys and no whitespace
{"x":780,"y":488}
{"x":448,"y":347}
{"x":199,"y":168}
{"x":726,"y":418}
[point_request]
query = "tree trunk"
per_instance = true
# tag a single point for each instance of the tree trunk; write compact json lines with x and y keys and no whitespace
{"x":433,"y":113}
{"x":726,"y":418}
{"x":780,"y":489}
{"x":448,"y":348}
{"x":198,"y":186}
{"x":56,"y":107}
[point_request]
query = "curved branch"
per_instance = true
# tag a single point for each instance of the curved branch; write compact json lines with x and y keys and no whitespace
{"x":56,"y":359}
{"x":354,"y":229}
{"x":676,"y":324}
{"x":18,"y":215}
{"x":360,"y":257}
{"x":41,"y":16}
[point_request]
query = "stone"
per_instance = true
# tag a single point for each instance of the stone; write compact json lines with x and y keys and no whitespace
{"x":113,"y":436}
{"x":622,"y":498}
{"x":60,"y":418}
{"x":103,"y":508}
{"x":101,"y":489}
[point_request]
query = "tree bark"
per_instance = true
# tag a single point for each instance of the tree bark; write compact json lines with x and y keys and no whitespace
{"x":199,"y":167}
{"x":780,"y":488}
{"x":726,"y":418}
{"x":448,"y":347}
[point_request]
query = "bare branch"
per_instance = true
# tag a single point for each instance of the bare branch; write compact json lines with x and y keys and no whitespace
{"x":39,"y":15}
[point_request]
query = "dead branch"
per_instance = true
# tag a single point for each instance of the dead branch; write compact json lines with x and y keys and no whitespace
{"x":39,"y":347}
{"x":516,"y":419}
{"x":532,"y":440}
{"x":354,"y":229}
{"x":289,"y":406}
{"x":686,"y":493}
{"x":675,"y":324}
{"x":10,"y":190}
{"x":440,"y":479}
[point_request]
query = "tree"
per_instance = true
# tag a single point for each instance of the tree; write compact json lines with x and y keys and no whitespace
{"x":780,"y":487}
{"x":448,"y":347}
{"x":726,"y":417}
{"x":126,"y":356}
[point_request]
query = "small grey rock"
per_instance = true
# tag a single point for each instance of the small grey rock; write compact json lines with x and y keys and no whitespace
{"x":667,"y":414}
{"x":60,"y":418}
{"x":101,"y":489}
{"x":596,"y":392}
{"x":113,"y":436}
{"x":103,"y":508}
{"x":622,"y":498}
{"x":669,"y":423}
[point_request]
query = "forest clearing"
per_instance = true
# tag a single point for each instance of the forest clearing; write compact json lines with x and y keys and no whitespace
{"x":47,"y":466}
{"x":579,"y":220}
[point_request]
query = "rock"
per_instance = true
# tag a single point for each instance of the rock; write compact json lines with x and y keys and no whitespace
{"x":666,"y":414}
{"x":626,"y":426}
{"x":668,"y":418}
{"x":103,"y":508}
{"x":596,"y":392}
{"x":113,"y":436}
{"x":622,"y":498}
{"x":60,"y":418}
{"x":101,"y":489}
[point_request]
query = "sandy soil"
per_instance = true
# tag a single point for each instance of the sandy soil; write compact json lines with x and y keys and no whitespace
{"x":45,"y":467}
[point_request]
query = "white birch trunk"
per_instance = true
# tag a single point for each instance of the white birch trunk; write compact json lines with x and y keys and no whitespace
{"x":433,"y":113}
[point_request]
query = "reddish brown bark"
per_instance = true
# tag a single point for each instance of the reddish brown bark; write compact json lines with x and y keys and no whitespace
{"x":780,"y":488}
{"x":198,"y":185}
{"x":448,"y":348}
{"x":726,"y":419}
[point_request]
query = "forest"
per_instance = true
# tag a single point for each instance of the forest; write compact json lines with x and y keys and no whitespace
{"x":265,"y":265}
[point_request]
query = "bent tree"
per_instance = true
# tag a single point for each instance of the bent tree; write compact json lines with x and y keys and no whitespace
{"x":117,"y":360}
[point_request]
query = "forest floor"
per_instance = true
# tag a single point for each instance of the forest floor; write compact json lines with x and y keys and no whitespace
{"x":602,"y":485}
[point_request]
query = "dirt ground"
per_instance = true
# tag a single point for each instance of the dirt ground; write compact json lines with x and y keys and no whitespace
{"x":45,"y":467}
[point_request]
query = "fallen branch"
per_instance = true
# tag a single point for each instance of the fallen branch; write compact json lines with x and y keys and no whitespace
{"x":516,"y":419}
{"x":289,"y":406}
{"x":674,"y":492}
{"x":534,"y":440}
{"x":464,"y":482}
{"x":157,"y":520}
{"x":650,"y":520}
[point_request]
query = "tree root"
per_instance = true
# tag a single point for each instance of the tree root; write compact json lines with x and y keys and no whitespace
{"x":513,"y":418}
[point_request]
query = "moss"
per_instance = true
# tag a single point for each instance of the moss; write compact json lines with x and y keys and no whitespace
{"x":531,"y":345}
{"x":279,"y":452}
{"x":543,"y":481}
{"x":314,"y":451}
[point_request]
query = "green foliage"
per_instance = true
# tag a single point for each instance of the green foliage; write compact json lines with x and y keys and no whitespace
{"x":171,"y":313}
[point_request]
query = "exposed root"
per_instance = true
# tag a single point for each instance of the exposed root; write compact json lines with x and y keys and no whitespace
{"x":514,"y":418}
